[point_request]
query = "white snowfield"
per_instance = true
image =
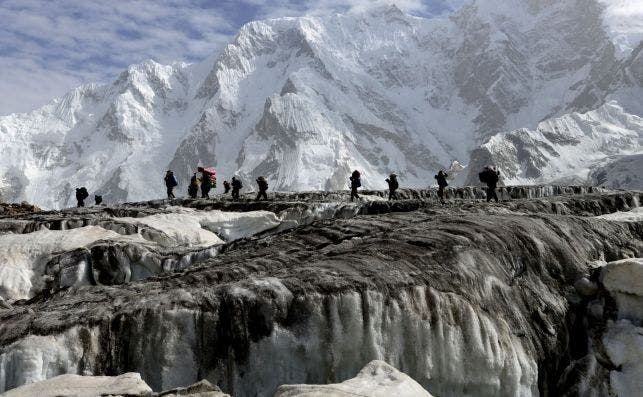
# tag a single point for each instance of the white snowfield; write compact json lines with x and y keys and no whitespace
{"x":23,"y":256}
{"x":304,"y":101}
{"x":376,"y":379}
{"x":128,"y":384}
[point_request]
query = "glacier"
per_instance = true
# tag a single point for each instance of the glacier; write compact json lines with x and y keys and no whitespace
{"x":523,"y":297}
{"x":306,"y":100}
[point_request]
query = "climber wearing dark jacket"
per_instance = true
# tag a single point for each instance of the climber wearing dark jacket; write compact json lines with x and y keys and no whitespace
{"x":441,"y":177}
{"x":263,"y":187}
{"x":193,"y":189}
{"x":356,"y":182}
{"x":206,"y":185}
{"x":490,"y":176}
{"x":226,"y":187}
{"x":81,"y":195}
{"x":393,"y":184}
{"x":236,"y":187}
{"x":170,"y":183}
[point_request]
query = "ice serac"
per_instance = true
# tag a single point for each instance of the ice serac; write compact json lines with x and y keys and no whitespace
{"x":376,"y":379}
{"x":467,"y":299}
{"x":304,"y":101}
{"x":607,"y":362}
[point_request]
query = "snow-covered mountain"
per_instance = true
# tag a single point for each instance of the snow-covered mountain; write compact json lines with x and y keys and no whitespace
{"x":566,"y":149}
{"x":306,"y":100}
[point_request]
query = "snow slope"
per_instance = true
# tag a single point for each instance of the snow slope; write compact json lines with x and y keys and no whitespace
{"x":304,"y":101}
{"x":622,"y":172}
{"x":567,"y":149}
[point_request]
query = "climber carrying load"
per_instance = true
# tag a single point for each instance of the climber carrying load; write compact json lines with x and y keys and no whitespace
{"x":208,"y":181}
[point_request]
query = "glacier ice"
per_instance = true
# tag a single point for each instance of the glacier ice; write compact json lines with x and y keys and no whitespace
{"x":129,"y":384}
{"x":376,"y":379}
{"x":466,"y":299}
{"x":26,"y":259}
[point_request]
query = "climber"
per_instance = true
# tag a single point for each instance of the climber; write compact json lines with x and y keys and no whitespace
{"x":236,"y":187}
{"x":81,"y":195}
{"x":170,"y":183}
{"x":205,"y":186}
{"x":226,"y":187}
{"x":393,"y":184}
{"x":98,"y":199}
{"x":356,"y":182}
{"x":442,"y":183}
{"x":208,"y":180}
{"x":490,"y":176}
{"x":263,"y":186}
{"x":193,"y":189}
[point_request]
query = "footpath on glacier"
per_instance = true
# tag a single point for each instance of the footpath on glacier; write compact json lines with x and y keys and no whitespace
{"x":530,"y":296}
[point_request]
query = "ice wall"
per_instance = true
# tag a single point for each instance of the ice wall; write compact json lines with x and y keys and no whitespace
{"x":610,"y":310}
{"x":442,"y":341}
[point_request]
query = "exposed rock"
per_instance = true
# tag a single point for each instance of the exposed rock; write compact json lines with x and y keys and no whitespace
{"x":376,"y":379}
{"x":10,"y":209}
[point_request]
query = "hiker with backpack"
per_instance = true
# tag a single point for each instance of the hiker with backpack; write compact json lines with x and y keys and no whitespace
{"x":81,"y":195}
{"x":98,"y":199}
{"x":263,"y":187}
{"x":393,"y":184}
{"x":226,"y":187}
{"x":236,"y":187}
{"x":193,"y":188}
{"x":441,"y":177}
{"x":355,"y":180}
{"x":490,"y":176}
{"x":170,"y":183}
{"x":208,"y":181}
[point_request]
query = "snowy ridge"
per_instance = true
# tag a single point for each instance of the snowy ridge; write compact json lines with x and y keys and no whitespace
{"x":304,"y":101}
{"x":563,"y":149}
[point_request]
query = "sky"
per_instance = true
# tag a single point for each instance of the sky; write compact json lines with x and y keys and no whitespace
{"x":48,"y":47}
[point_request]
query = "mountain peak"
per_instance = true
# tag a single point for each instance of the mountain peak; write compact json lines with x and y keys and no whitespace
{"x":303,"y":101}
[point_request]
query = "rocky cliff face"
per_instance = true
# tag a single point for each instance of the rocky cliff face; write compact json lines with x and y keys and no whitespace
{"x":467,"y":299}
{"x":305,"y":101}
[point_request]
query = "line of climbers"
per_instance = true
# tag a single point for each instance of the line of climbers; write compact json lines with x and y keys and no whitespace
{"x":82,"y":194}
{"x":489,"y":175}
{"x":208,"y":180}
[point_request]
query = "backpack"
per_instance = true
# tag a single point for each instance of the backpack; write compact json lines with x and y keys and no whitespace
{"x":83,"y":192}
{"x":484,"y":175}
{"x":263,"y":185}
{"x":173,"y":181}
